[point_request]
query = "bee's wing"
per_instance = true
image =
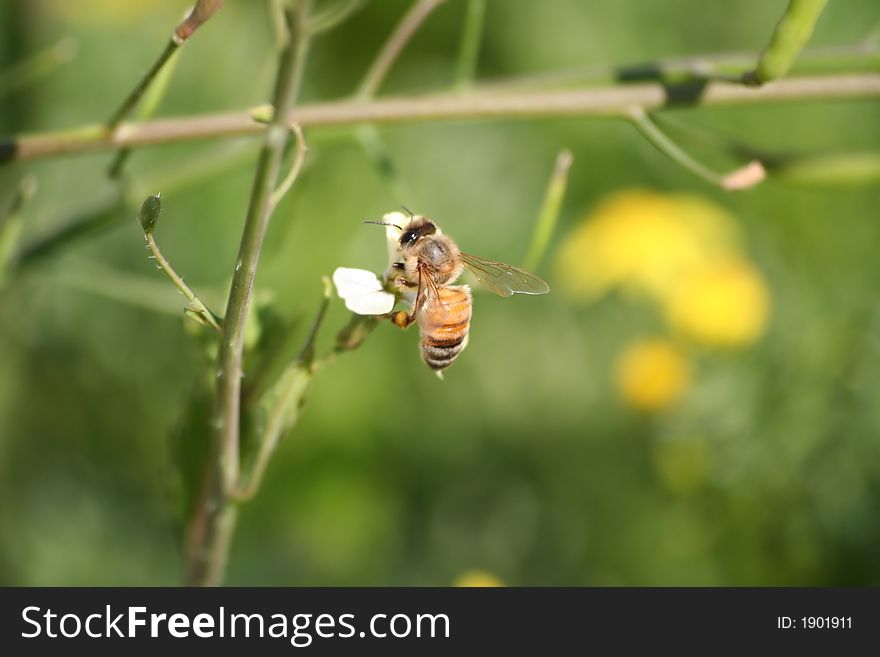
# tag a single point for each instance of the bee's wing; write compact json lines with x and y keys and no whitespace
{"x":502,"y":279}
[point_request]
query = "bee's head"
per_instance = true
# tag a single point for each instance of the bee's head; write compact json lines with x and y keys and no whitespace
{"x":416,"y":229}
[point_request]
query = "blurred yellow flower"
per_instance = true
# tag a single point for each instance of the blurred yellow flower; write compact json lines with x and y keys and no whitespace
{"x":651,"y":375}
{"x":645,"y":241}
{"x":723,"y":303}
{"x":477,"y":578}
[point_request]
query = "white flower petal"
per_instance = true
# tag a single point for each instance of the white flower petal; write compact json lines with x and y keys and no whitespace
{"x":362,"y":291}
{"x":375,"y":303}
{"x":352,"y":282}
{"x":392,"y":234}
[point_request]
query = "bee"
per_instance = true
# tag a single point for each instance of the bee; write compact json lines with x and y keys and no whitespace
{"x":429,"y":262}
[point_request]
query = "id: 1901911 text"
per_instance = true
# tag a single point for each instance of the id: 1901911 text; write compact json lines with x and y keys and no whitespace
{"x":814,"y":623}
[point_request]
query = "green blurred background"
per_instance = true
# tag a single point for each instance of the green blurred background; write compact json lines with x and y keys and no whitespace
{"x":525,"y":462}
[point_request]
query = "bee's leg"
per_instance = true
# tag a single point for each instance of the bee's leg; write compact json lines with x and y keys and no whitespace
{"x":401,"y":318}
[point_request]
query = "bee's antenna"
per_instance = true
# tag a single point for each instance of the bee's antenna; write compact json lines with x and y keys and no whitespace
{"x":383,"y":223}
{"x":410,"y":212}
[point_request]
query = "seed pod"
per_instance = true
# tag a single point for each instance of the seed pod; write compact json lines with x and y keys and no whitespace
{"x":149,"y":214}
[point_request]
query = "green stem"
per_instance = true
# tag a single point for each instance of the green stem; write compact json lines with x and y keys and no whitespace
{"x":152,"y":98}
{"x":211,"y":524}
{"x":612,"y":101}
{"x":284,"y":411}
{"x":549,"y":214}
{"x":197,"y":16}
{"x":141,"y":87}
{"x":744,"y":177}
{"x":469,"y":50}
{"x":790,"y":36}
{"x":334,"y":16}
{"x":641,"y":120}
{"x":862,"y":57}
{"x":828,"y":170}
{"x":299,"y":158}
{"x":279,"y":23}
{"x":256,"y":222}
{"x":197,"y":308}
{"x":406,"y":28}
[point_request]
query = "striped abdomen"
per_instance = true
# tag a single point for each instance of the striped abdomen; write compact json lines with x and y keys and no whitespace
{"x":443,"y":323}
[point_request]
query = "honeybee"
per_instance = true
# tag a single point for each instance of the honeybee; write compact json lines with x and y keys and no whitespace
{"x":429,"y":262}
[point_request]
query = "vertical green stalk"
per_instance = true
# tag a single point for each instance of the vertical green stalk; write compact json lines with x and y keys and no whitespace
{"x":285,"y":399}
{"x":401,"y":35}
{"x":212,"y":526}
{"x":790,"y":36}
{"x":549,"y":213}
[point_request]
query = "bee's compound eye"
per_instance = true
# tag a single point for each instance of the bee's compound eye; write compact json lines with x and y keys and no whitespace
{"x":409,"y":237}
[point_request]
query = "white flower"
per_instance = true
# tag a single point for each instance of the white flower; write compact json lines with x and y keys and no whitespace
{"x":362,"y":291}
{"x":395,"y":222}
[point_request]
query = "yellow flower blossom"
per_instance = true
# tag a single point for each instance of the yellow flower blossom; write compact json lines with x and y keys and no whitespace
{"x":645,"y":241}
{"x":477,"y":578}
{"x":651,"y":375}
{"x":723,"y":303}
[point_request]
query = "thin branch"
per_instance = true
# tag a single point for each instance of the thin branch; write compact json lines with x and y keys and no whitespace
{"x":331,"y":18}
{"x":789,"y":37}
{"x":860,"y":57}
{"x":590,"y":102}
{"x":284,"y":411}
{"x":141,"y":87}
{"x":299,"y":158}
{"x":197,"y":309}
{"x":401,"y":35}
{"x":742,"y":178}
{"x":256,"y":222}
{"x":279,"y":23}
{"x":670,"y":149}
{"x":549,"y":213}
{"x":200,"y":13}
{"x":211,"y":527}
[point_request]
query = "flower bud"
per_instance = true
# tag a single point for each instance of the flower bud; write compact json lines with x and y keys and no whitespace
{"x":149,"y":214}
